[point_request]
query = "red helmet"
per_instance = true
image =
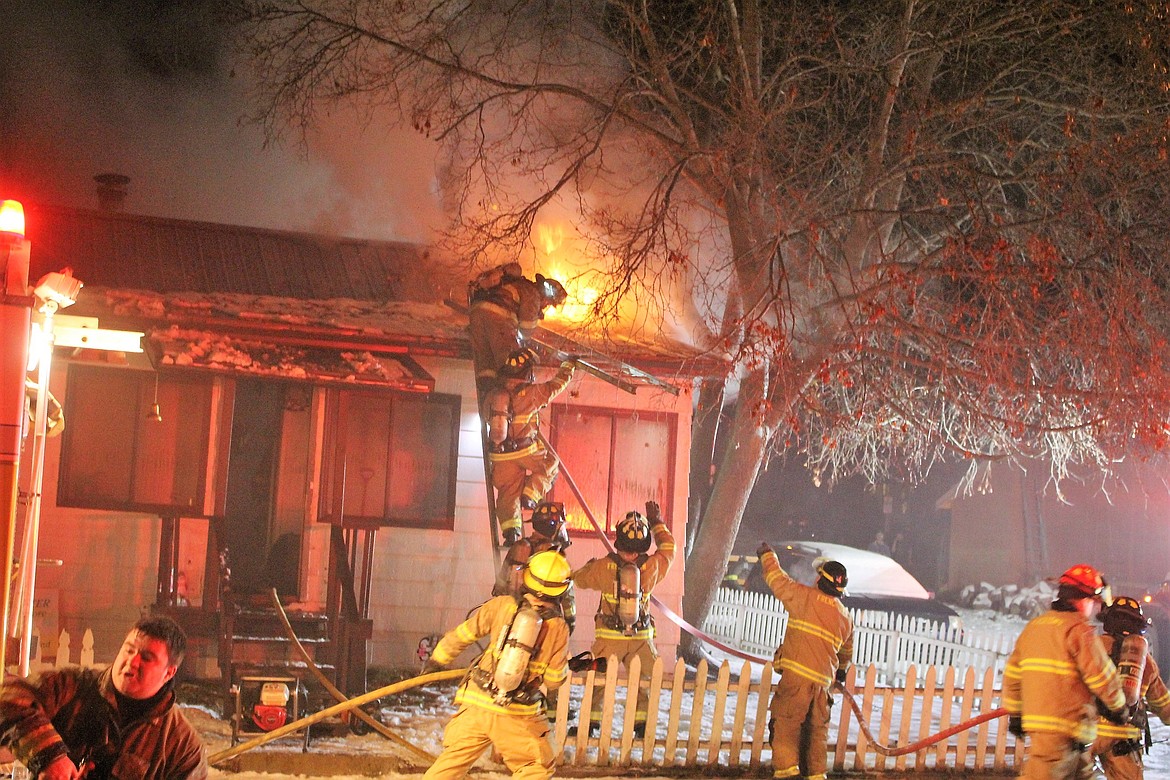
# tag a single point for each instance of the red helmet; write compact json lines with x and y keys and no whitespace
{"x":1084,"y":579}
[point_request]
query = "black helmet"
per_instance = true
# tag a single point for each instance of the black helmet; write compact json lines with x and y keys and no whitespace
{"x":520,"y":365}
{"x":552,"y":291}
{"x":548,"y":520}
{"x":832,"y":578}
{"x":1125,"y":617}
{"x":633,"y":534}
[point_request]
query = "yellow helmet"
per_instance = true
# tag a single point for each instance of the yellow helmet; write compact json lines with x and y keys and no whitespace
{"x":547,"y":573}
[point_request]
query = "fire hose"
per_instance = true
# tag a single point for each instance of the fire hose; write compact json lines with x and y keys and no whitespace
{"x":333,"y":690}
{"x":336,"y":709}
{"x":698,"y":633}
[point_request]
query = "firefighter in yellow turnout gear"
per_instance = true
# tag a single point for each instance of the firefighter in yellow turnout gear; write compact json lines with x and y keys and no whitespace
{"x":1118,"y":747}
{"x":1055,"y":673}
{"x":818,"y":648}
{"x":624,"y":627}
{"x":522,"y":468}
{"x":501,"y":700}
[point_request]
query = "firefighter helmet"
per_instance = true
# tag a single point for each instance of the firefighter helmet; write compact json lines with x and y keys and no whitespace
{"x":547,"y":573}
{"x":548,"y":519}
{"x":1083,"y":581}
{"x":520,"y":365}
{"x":633,"y":534}
{"x":552,"y":291}
{"x":832,"y":578}
{"x":1126,"y":617}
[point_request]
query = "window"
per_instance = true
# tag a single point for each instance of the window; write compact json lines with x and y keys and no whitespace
{"x":115,"y":455}
{"x":390,"y":459}
{"x":619,"y":459}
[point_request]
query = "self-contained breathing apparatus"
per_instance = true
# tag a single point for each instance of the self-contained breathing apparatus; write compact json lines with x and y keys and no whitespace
{"x":632,"y":535}
{"x":547,"y":576}
{"x":479,"y":288}
{"x":513,"y":651}
{"x":1126,"y":623}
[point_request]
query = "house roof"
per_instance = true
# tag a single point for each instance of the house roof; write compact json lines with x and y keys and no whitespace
{"x":255,"y":286}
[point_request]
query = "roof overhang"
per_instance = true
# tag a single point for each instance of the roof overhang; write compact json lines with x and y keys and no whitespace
{"x":289,"y":357}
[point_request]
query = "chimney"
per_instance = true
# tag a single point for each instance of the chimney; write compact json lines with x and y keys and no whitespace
{"x":111,"y":191}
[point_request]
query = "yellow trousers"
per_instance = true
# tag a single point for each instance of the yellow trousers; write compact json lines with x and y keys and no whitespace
{"x":531,"y":476}
{"x":800,"y":741}
{"x":521,"y":742}
{"x":625,"y":650}
{"x":1055,"y":757}
{"x":1124,"y":767}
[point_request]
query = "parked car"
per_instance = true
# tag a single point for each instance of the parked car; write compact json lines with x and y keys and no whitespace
{"x":876,"y":582}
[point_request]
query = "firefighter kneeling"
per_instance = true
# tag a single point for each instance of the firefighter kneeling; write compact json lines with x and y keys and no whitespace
{"x":501,"y":700}
{"x":1118,"y":746}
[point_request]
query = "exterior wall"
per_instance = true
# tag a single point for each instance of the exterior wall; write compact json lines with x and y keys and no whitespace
{"x":426,"y":582}
{"x":1124,"y":532}
{"x":109,"y":560}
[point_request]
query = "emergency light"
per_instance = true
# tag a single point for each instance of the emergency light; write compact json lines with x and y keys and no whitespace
{"x":12,"y":221}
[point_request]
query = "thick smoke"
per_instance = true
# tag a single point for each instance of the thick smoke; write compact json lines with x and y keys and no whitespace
{"x":146,"y":89}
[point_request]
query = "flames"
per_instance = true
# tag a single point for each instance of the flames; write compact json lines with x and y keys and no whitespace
{"x":559,"y":257}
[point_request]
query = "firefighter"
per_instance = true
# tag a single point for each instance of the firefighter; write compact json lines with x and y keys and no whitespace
{"x":548,"y":533}
{"x":1118,"y":747}
{"x":501,"y":699}
{"x":1056,"y":671}
{"x":522,"y":468}
{"x":818,"y":648}
{"x":624,"y":627}
{"x":505,"y":308}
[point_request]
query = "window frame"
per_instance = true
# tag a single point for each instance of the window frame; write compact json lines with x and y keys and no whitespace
{"x":608,"y":516}
{"x":75,"y":497}
{"x":333,"y":473}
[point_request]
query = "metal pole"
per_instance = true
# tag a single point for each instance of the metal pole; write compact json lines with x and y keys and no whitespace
{"x":15,"y":323}
{"x":28,"y":558}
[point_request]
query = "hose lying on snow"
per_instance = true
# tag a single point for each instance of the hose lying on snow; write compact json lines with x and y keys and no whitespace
{"x":694,"y":631}
{"x":357,"y":701}
{"x":328,"y":685}
{"x":921,"y":744}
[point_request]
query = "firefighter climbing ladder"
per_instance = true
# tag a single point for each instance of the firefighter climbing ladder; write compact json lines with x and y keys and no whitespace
{"x":618,"y":373}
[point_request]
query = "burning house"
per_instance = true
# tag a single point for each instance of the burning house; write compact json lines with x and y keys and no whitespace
{"x":304,"y":418}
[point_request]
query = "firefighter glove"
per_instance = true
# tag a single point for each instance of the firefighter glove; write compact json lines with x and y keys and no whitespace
{"x":763,"y":549}
{"x":431,"y":666}
{"x":585,"y":662}
{"x":1016,"y":726}
{"x":840,"y":676}
{"x":653,"y":512}
{"x":511,"y":536}
{"x":1117,"y":717}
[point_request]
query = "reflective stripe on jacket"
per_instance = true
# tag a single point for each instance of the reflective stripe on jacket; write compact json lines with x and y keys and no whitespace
{"x":1056,"y":668}
{"x":819,"y":638}
{"x":549,"y":667}
{"x":601,"y":574}
{"x":1153,"y":692}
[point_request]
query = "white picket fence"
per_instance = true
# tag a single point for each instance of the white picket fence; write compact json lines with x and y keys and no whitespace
{"x":754,"y":623}
{"x":64,"y":654}
{"x":697,"y":721}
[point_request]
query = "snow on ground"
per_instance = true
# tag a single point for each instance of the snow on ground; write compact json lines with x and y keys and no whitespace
{"x":420,"y":716}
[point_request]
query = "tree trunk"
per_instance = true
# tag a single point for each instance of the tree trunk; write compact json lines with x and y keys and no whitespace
{"x":704,"y":430}
{"x":721,"y":518}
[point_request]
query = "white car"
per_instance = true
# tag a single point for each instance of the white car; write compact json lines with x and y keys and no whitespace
{"x":876,"y":581}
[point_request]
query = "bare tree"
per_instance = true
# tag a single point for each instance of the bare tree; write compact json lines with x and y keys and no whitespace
{"x":939,"y":227}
